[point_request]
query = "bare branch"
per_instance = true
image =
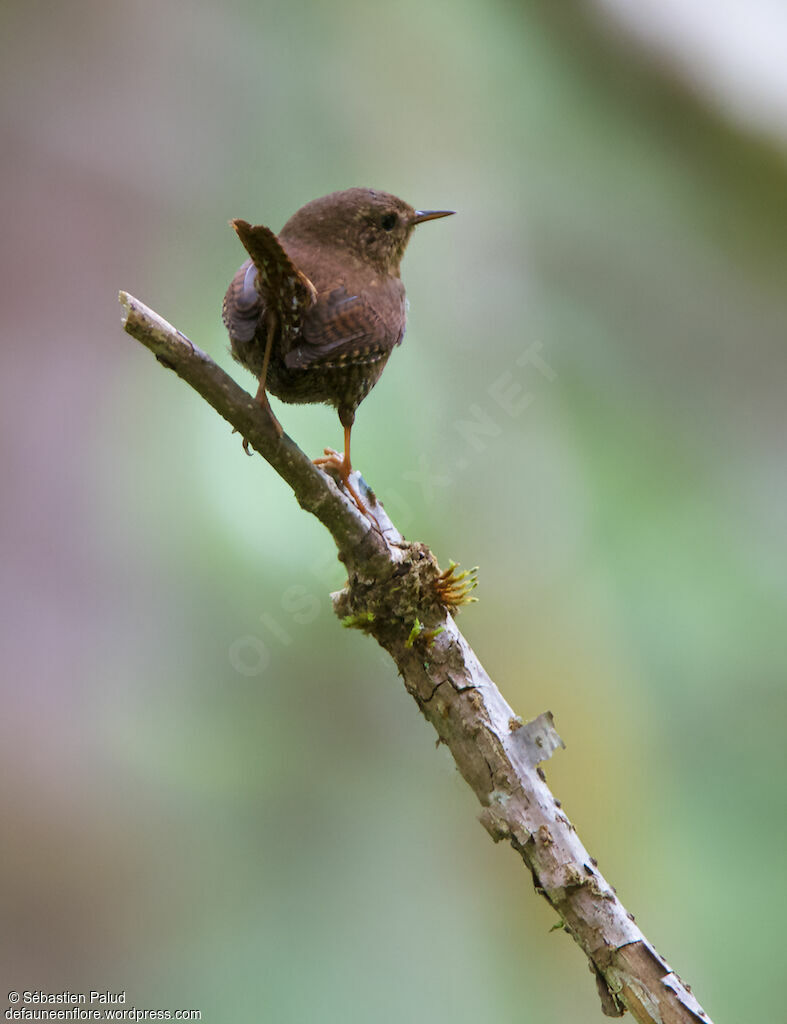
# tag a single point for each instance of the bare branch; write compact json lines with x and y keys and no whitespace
{"x":396,"y":592}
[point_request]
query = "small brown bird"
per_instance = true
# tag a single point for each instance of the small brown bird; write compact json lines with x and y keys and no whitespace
{"x":316,"y":312}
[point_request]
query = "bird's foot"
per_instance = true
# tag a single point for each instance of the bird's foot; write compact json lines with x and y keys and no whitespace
{"x":244,"y":442}
{"x":455,"y":588}
{"x":332,"y":460}
{"x":262,"y":398}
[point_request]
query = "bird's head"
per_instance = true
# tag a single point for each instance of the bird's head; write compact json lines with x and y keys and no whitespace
{"x":371,"y":227}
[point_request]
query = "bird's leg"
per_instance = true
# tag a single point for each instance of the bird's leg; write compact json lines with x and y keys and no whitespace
{"x":262,"y":394}
{"x":343,"y":466}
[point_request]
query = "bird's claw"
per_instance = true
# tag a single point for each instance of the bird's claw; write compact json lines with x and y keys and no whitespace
{"x":245,"y":443}
{"x":330,"y":459}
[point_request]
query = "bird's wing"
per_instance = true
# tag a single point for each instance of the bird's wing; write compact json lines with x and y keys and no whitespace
{"x":243,"y":307}
{"x":267,"y":283}
{"x":340,"y":327}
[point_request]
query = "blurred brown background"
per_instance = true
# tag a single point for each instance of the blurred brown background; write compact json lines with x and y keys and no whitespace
{"x":214,"y":797}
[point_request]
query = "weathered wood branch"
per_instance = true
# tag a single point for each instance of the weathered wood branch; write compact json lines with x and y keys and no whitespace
{"x":396,"y":592}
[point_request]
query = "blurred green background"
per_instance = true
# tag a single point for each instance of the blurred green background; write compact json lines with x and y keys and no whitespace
{"x":214,"y":797}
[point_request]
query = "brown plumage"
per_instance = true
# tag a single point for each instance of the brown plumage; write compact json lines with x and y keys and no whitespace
{"x":316,"y":312}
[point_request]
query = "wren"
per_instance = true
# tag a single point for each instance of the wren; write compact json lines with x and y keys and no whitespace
{"x":316,"y":311}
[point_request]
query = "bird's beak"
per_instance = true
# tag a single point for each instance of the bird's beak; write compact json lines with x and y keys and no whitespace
{"x":422,"y":215}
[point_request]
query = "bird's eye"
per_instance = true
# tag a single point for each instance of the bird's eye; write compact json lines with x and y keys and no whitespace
{"x":388,"y":223}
